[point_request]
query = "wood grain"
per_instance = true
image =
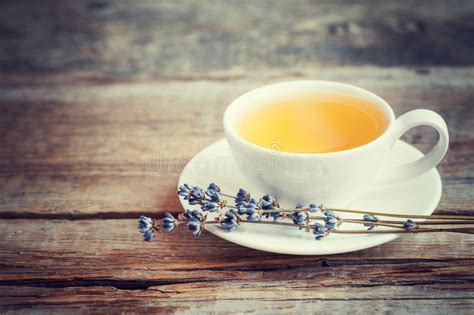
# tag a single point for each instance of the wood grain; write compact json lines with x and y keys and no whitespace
{"x":79,"y":150}
{"x":149,"y":37}
{"x":36,"y":251}
{"x":103,"y":102}
{"x":76,"y":265}
{"x":39,"y":251}
{"x":267,"y":297}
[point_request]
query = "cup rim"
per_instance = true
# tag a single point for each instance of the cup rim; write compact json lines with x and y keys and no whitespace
{"x":229,"y":126}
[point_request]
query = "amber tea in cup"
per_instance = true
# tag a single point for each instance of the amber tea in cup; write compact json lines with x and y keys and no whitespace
{"x":313,"y":123}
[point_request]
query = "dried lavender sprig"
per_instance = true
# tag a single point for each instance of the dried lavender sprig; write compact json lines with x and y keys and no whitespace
{"x":466,"y":222}
{"x":196,"y":221}
{"x":305,"y":226}
{"x":230,"y":221}
{"x":276,"y":212}
{"x":420,"y":230}
{"x":210,"y":201}
{"x":367,"y":223}
{"x":388,"y":223}
{"x":394,"y":223}
{"x":377,"y":223}
{"x":413,"y":216}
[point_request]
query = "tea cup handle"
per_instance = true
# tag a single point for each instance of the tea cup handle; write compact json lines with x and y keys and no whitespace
{"x":414,"y":118}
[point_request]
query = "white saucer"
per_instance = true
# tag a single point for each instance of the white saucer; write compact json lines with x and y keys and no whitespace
{"x":417,"y":196}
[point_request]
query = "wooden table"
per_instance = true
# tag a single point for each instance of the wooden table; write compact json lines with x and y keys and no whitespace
{"x":102,"y":103}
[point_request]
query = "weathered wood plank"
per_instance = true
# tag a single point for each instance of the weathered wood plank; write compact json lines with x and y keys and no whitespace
{"x":111,"y":252}
{"x":84,"y":150}
{"x":149,"y":37}
{"x":102,"y":265}
{"x":267,"y":297}
{"x":82,"y":196}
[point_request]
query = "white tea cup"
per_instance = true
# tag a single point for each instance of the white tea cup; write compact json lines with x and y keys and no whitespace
{"x":333,"y":178}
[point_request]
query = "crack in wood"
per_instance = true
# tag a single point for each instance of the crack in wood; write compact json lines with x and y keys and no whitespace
{"x":331,"y":263}
{"x":97,"y":282}
{"x":123,"y":215}
{"x":146,"y":284}
{"x":114,"y":215}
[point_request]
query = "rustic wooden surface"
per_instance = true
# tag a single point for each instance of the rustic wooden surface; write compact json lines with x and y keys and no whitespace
{"x":102,"y":104}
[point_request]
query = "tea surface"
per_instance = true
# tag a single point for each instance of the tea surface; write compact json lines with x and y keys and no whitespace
{"x":313,"y":124}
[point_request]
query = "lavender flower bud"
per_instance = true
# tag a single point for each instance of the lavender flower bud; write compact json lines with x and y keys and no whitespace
{"x":148,"y":236}
{"x":195,"y":226}
{"x":192,"y":214}
{"x":320,"y":231}
{"x":214,"y":195}
{"x":214,"y":187}
{"x":230,"y":221}
{"x":169,"y":223}
{"x":299,"y":217}
{"x":192,"y":201}
{"x":249,"y":209}
{"x":329,"y":213}
{"x":409,"y":225}
{"x":242,"y":196}
{"x":253,"y":217}
{"x":313,"y":208}
{"x":331,"y":219}
{"x":246,"y":205}
{"x":145,"y":226}
{"x":196,"y":196}
{"x":331,"y":222}
{"x":268,"y":202}
{"x":144,"y":223}
{"x":370,"y":218}
{"x":209,"y":206}
{"x":184,"y":190}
